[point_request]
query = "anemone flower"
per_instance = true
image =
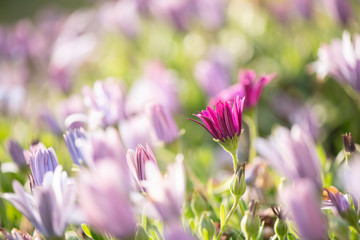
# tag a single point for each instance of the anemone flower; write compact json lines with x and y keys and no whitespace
{"x":43,"y":161}
{"x":137,"y":160}
{"x":163,"y":124}
{"x":292,"y":153}
{"x":303,"y":205}
{"x":224,"y":124}
{"x":111,"y":192}
{"x":51,"y":206}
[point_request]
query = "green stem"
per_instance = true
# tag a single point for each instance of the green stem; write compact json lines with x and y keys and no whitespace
{"x":232,"y":210}
{"x":234,"y":157}
{"x":251,"y":121}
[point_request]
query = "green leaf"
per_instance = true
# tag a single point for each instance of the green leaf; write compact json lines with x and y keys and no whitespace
{"x":141,"y":234}
{"x":290,"y":236}
{"x":86,"y":230}
{"x":222,"y":215}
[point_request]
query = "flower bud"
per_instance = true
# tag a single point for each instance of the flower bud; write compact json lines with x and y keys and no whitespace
{"x":206,"y":227}
{"x":238,"y":185}
{"x":349,"y":144}
{"x":280,"y":227}
{"x":250,"y":223}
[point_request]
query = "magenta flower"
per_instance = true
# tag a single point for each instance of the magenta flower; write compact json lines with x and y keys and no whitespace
{"x":163,"y":124}
{"x":340,"y":60}
{"x":303,"y":203}
{"x":107,"y":185}
{"x":249,"y":87}
{"x":223,"y":123}
{"x":137,"y":160}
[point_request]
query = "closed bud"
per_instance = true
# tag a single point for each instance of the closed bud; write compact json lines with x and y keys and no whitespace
{"x":280,"y":227}
{"x":206,"y":227}
{"x":250,"y":223}
{"x":238,"y":185}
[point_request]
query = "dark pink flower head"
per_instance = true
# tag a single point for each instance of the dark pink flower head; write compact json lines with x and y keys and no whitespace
{"x":223,"y":123}
{"x":249,"y":87}
{"x":252,"y":86}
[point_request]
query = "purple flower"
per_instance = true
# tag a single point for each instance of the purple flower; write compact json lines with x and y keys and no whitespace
{"x":165,"y":194}
{"x":340,"y":10}
{"x":122,"y":15}
{"x":16,"y":153}
{"x":337,"y":201}
{"x":163,"y":124}
{"x":302,"y":201}
{"x":304,"y":7}
{"x":158,"y":85}
{"x":351,"y":177}
{"x":73,"y":142}
{"x":223,"y":123}
{"x":137,"y":161}
{"x":51,"y":206}
{"x":41,"y":162}
{"x":177,"y":12}
{"x":103,"y":145}
{"x":211,"y":13}
{"x":213,"y":74}
{"x":110,"y":190}
{"x":249,"y":87}
{"x":340,"y":60}
{"x":105,"y":103}
{"x":177,"y":232}
{"x":292,"y":153}
{"x":135,"y":130}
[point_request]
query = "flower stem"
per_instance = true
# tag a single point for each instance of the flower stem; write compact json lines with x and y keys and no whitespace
{"x":232,"y":210}
{"x":251,"y":122}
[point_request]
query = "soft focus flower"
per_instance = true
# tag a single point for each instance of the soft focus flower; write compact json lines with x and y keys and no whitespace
{"x":177,"y":12}
{"x":340,"y":60}
{"x":223,"y":123}
{"x":304,"y":7}
{"x":135,"y":130}
{"x":73,"y":140}
{"x":303,"y":203}
{"x":292,"y":153}
{"x":336,"y":200}
{"x":108,"y":186}
{"x":137,"y":161}
{"x":41,"y":162}
{"x":16,"y":234}
{"x":158,"y":85}
{"x":103,"y":145}
{"x":105,"y":103}
{"x":51,"y":206}
{"x":211,"y":12}
{"x":213,"y":74}
{"x":177,"y":232}
{"x":165,"y":194}
{"x":16,"y":153}
{"x":122,"y":15}
{"x":350,"y":177}
{"x":340,"y":10}
{"x":163,"y":124}
{"x":249,"y":87}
